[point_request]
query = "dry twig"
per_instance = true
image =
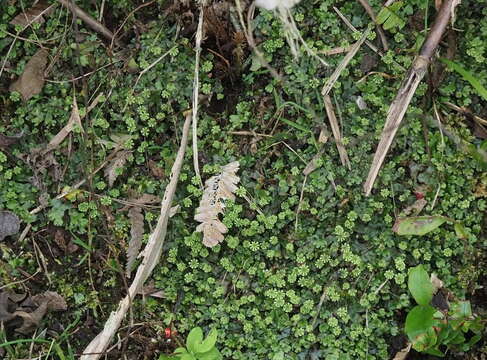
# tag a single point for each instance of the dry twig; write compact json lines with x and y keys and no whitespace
{"x":150,"y":254}
{"x":87,"y":19}
{"x":406,"y":92}
{"x":335,"y":128}
{"x":371,"y":13}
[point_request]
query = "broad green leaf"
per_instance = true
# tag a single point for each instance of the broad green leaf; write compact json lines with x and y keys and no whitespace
{"x":187,"y":356}
{"x":420,"y":286}
{"x":425,"y":341}
{"x":417,"y":225}
{"x":207,"y":344}
{"x":180,"y":350}
{"x":435,"y":352}
{"x":213,"y":354}
{"x":473,"y":340}
{"x":482,"y":91}
{"x":195,"y":337}
{"x":388,"y":17}
{"x":418,"y":323}
{"x":461,"y":309}
{"x":460,"y":231}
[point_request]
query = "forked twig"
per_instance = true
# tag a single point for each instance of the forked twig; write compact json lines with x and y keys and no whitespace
{"x":343,"y":64}
{"x":406,"y":92}
{"x":365,"y":4}
{"x":92,"y":23}
{"x":97,"y":347}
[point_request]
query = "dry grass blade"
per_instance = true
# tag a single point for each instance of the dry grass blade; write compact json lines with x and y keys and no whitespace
{"x":343,"y":64}
{"x":335,"y":128}
{"x":365,"y":4}
{"x":136,"y":233}
{"x":74,"y":119}
{"x":31,"y":81}
{"x":196,"y":91}
{"x":406,"y":92}
{"x":151,"y":255}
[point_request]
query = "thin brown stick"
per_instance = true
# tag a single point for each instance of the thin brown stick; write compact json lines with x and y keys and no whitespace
{"x":343,"y":64}
{"x":406,"y":92}
{"x":87,"y":19}
{"x":335,"y":128}
{"x":126,"y":19}
{"x":365,"y":4}
{"x":368,"y":43}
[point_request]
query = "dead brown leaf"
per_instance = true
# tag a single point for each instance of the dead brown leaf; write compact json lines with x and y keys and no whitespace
{"x":31,"y":81}
{"x":136,"y":233}
{"x":74,"y":120}
{"x":52,"y":299}
{"x":6,"y":141}
{"x":31,"y":320}
{"x":403,"y":354}
{"x":62,"y":240}
{"x":111,"y":172}
{"x":33,"y":15}
{"x":436,"y":282}
{"x":5,"y":314}
{"x":151,"y":290}
{"x":415,"y":208}
{"x":155,"y":169}
{"x":9,"y":224}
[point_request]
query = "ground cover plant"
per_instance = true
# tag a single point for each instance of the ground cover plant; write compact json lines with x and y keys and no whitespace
{"x":302,"y":264}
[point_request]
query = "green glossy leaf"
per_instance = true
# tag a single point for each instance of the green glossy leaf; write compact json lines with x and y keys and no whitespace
{"x":420,"y":286}
{"x":419,"y":321}
{"x":187,"y":356}
{"x":473,"y":340}
{"x":435,"y":352}
{"x":180,"y":350}
{"x":213,"y":354}
{"x":418,"y":225}
{"x":460,"y":231}
{"x":389,"y":18}
{"x":207,"y":344}
{"x":425,"y":341}
{"x":195,"y":337}
{"x":482,"y":91}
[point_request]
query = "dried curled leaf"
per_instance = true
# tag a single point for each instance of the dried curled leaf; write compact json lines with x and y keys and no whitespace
{"x":217,"y":189}
{"x":111,"y":170}
{"x":136,"y":232}
{"x":9,"y":224}
{"x":6,"y":141}
{"x":33,"y":15}
{"x":31,"y":81}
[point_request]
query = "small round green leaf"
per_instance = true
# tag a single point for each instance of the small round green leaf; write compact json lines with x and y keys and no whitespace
{"x":420,"y":286}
